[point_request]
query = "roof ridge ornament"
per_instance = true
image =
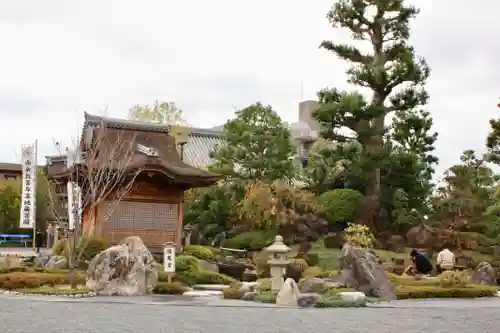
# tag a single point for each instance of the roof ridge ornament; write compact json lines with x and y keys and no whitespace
{"x":149,"y":151}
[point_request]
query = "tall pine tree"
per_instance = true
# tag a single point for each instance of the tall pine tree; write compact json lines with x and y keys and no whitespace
{"x":391,"y":71}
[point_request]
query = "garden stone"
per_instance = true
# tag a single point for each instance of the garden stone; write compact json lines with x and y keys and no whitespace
{"x":360,"y":270}
{"x":125,"y":269}
{"x":308,"y":300}
{"x":41,"y":261}
{"x":57,"y":262}
{"x":249,"y":295}
{"x":209,"y":266}
{"x":289,"y":293}
{"x":484,"y":274}
{"x":312,"y":285}
{"x":248,"y":286}
{"x":351,"y":296}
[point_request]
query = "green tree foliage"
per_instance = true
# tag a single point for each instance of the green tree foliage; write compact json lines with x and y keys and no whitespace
{"x":339,"y":206}
{"x":391,"y":71}
{"x":47,"y":203}
{"x":257,"y":147}
{"x":493,"y":142}
{"x":467,"y":190}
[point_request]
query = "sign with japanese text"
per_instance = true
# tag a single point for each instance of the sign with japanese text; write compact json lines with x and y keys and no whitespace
{"x":28,"y":192}
{"x":74,"y":205}
{"x":169,"y":259}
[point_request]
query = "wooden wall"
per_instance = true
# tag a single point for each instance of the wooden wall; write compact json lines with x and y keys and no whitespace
{"x":143,"y":191}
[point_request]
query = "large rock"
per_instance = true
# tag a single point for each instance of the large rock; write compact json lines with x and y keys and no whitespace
{"x":124,"y":269}
{"x":422,"y":236}
{"x":57,"y":262}
{"x":312,"y":285}
{"x":361,"y":271}
{"x":484,"y":274}
{"x":289,"y":293}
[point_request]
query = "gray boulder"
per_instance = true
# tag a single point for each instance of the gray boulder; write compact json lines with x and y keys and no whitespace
{"x":126,"y":269}
{"x":484,"y":274}
{"x":361,"y":271}
{"x":312,"y":285}
{"x":57,"y":262}
{"x":288,"y":294}
{"x":308,"y":300}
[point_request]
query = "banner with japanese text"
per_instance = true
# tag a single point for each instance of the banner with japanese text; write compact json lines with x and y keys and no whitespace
{"x":28,"y":194}
{"x":74,"y":205}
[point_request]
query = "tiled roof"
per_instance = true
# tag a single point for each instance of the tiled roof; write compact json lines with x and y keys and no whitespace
{"x":10,"y":167}
{"x":201,"y":142}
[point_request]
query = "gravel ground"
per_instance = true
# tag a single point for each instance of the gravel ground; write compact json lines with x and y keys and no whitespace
{"x":29,"y":315}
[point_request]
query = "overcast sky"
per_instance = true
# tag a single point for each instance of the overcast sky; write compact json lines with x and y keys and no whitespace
{"x":61,"y":58}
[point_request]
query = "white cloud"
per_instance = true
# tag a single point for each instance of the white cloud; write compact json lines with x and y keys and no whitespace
{"x":60,"y":58}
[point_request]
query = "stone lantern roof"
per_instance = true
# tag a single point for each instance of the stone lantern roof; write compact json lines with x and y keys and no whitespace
{"x":278,"y":246}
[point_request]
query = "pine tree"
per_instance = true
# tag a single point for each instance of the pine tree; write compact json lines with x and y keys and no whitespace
{"x":390,"y":70}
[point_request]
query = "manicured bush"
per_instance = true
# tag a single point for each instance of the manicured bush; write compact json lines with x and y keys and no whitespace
{"x":338,"y":206}
{"x":233,"y":292}
{"x":470,"y":291}
{"x":339,"y":303}
{"x":200,"y":252}
{"x":313,"y":271}
{"x":89,"y":247}
{"x":187,"y":263}
{"x":174,"y":288}
{"x":18,"y":280}
{"x":412,"y":281}
{"x":453,"y":279}
{"x":265,"y":297}
{"x":254,"y":240}
{"x":210,"y":277}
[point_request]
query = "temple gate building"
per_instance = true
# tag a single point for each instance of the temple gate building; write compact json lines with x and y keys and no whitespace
{"x":152,"y":209}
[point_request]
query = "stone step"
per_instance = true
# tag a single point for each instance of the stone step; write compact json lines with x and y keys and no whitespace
{"x":203,"y":293}
{"x":210,"y":287}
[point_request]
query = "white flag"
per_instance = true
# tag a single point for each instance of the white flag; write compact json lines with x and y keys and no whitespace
{"x":28,"y":194}
{"x":74,"y":205}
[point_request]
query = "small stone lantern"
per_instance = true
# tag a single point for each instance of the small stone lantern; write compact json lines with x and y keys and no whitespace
{"x":277,"y":263}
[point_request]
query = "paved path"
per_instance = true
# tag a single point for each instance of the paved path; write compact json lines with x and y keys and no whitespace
{"x":25,"y":251}
{"x":153,"y":314}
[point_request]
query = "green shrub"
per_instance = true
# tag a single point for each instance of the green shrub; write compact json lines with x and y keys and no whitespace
{"x":265,"y":297}
{"x":338,"y":205}
{"x":339,"y":303}
{"x":233,"y":292}
{"x":200,"y":252}
{"x":313,"y":271}
{"x":470,"y":291}
{"x":210,"y":277}
{"x":29,"y":280}
{"x":454,"y":279}
{"x":174,"y":288}
{"x":89,"y":247}
{"x":254,"y":240}
{"x":187,"y":262}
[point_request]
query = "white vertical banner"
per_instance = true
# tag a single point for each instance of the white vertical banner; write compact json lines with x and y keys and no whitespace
{"x":169,"y":259}
{"x":28,"y":194}
{"x":74,"y":205}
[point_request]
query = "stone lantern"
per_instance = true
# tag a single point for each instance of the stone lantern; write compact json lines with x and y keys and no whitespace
{"x":277,"y":262}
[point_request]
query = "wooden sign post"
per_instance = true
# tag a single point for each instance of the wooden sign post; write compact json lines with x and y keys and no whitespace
{"x":169,"y":260}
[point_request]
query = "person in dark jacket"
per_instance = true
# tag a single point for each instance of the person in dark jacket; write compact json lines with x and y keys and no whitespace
{"x":38,"y":240}
{"x":421,"y":262}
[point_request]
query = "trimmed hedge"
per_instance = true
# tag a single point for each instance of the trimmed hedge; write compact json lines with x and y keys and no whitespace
{"x":470,"y":291}
{"x":31,"y":280}
{"x":174,"y":288}
{"x":200,"y":252}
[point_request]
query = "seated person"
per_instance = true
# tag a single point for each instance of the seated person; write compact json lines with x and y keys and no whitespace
{"x":422,"y":264}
